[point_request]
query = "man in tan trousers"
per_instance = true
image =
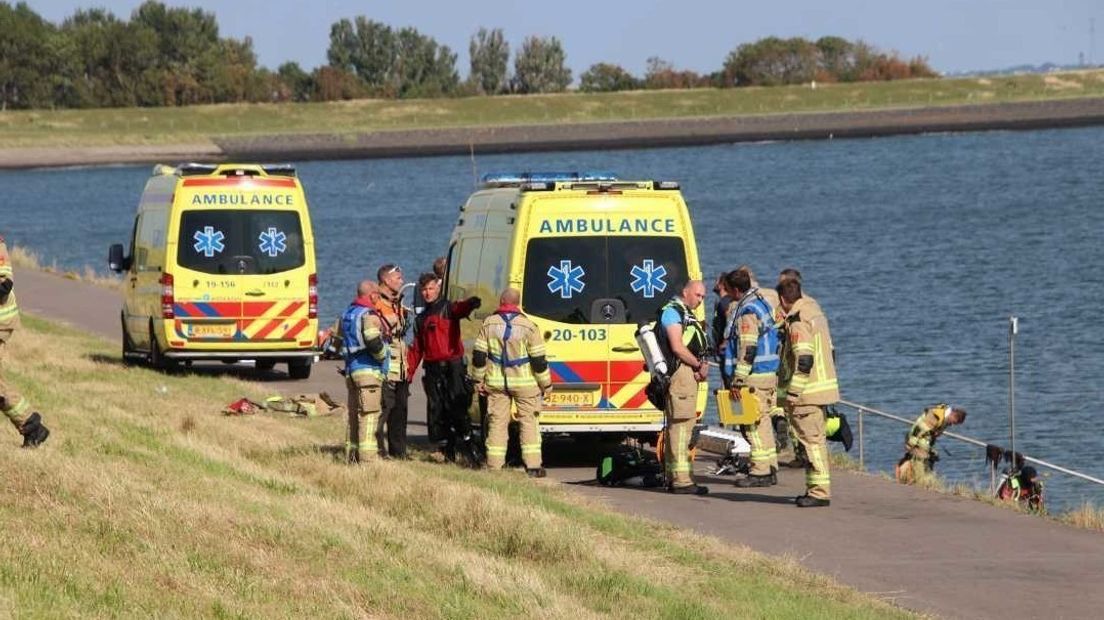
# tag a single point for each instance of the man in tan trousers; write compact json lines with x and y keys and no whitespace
{"x":812,"y":387}
{"x":366,"y":358}
{"x":12,"y":404}
{"x":684,"y":344}
{"x":509,"y":367}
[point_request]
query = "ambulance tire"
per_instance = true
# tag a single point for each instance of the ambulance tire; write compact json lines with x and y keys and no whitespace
{"x":156,"y":359}
{"x":300,"y":369}
{"x":264,"y":365}
{"x":128,"y":344}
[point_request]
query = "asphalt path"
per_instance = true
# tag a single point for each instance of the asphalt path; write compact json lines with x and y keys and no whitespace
{"x":928,"y":552}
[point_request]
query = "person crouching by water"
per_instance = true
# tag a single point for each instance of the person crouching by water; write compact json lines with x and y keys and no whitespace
{"x":509,"y":367}
{"x":1023,"y":488}
{"x":686,"y":339}
{"x":366,"y":361}
{"x":437,"y":343}
{"x":920,"y":455}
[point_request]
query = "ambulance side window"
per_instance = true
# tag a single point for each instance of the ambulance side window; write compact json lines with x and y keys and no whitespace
{"x":467,"y":276}
{"x":450,"y":271}
{"x":492,"y":266}
{"x":134,"y":245}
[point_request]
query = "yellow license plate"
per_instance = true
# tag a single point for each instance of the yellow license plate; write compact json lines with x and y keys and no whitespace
{"x":211,"y":330}
{"x":570,"y":399}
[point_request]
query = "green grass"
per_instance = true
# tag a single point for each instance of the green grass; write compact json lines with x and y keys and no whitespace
{"x":147,"y":502}
{"x":200,"y":124}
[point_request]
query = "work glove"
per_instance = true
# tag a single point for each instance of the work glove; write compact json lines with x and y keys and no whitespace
{"x":6,"y":286}
{"x":475,"y":302}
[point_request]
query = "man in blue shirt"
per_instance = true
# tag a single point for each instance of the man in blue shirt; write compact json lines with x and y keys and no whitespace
{"x":685,"y":347}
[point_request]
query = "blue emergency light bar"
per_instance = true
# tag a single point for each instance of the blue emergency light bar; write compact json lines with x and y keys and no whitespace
{"x":510,"y":179}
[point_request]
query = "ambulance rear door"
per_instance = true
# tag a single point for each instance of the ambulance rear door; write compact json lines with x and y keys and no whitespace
{"x":643,"y":272}
{"x":245,"y":273}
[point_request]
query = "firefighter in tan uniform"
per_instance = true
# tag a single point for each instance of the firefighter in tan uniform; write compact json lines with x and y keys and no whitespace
{"x":510,"y":368}
{"x":391,"y":426}
{"x":751,"y":360}
{"x":812,"y":387}
{"x":920,"y":454}
{"x":785,"y":371}
{"x":779,"y":426}
{"x":684,"y":343}
{"x":12,"y":404}
{"x":366,"y":361}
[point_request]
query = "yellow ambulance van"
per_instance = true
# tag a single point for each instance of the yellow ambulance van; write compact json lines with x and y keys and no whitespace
{"x":221,"y":267}
{"x":593,"y":256}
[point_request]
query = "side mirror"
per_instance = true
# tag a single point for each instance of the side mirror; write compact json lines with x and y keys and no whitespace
{"x":116,"y":261}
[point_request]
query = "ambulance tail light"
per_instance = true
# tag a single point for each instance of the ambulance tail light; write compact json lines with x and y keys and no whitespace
{"x":167,"y":297}
{"x":312,"y":296}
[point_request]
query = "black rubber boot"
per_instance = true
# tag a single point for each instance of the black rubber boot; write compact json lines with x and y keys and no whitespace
{"x":536,"y":473}
{"x":34,"y":431}
{"x":354,"y":457}
{"x":755,"y":481}
{"x":811,"y":502}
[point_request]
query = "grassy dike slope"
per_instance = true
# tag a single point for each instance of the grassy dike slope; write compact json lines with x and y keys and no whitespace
{"x":147,"y":502}
{"x":203,"y":124}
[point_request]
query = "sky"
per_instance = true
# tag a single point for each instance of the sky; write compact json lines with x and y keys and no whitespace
{"x":955,"y":35}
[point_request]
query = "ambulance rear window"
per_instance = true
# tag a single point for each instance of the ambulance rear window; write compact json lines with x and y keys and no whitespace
{"x":566,"y":276}
{"x":240,"y":242}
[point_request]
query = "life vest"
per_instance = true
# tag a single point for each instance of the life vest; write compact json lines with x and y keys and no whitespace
{"x":693,"y":333}
{"x":767,"y":344}
{"x":357,"y":358}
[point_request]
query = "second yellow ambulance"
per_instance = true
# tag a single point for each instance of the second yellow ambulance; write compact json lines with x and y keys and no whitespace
{"x":593,"y":256}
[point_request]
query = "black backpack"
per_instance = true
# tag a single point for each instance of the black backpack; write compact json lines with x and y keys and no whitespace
{"x":626,"y":463}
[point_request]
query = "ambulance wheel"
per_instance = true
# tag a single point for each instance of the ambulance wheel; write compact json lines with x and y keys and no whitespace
{"x":264,"y":365}
{"x":300,"y":369}
{"x":156,"y":358}
{"x":128,"y":345}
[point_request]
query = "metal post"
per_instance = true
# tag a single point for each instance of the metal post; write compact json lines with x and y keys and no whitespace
{"x":1014,"y":328}
{"x":862,"y":455}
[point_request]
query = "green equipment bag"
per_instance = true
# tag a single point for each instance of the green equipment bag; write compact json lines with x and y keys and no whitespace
{"x":628,"y":465}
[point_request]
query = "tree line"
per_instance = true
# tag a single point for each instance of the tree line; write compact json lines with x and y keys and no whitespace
{"x":169,"y":56}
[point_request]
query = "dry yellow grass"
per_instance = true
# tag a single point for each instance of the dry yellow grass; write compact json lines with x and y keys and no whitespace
{"x":1087,"y":515}
{"x":202,"y":125}
{"x":146,"y":502}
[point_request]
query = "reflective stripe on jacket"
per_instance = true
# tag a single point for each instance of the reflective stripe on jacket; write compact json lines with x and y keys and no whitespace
{"x":927,"y":428}
{"x":510,"y":341}
{"x":809,"y":337}
{"x":9,"y":309}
